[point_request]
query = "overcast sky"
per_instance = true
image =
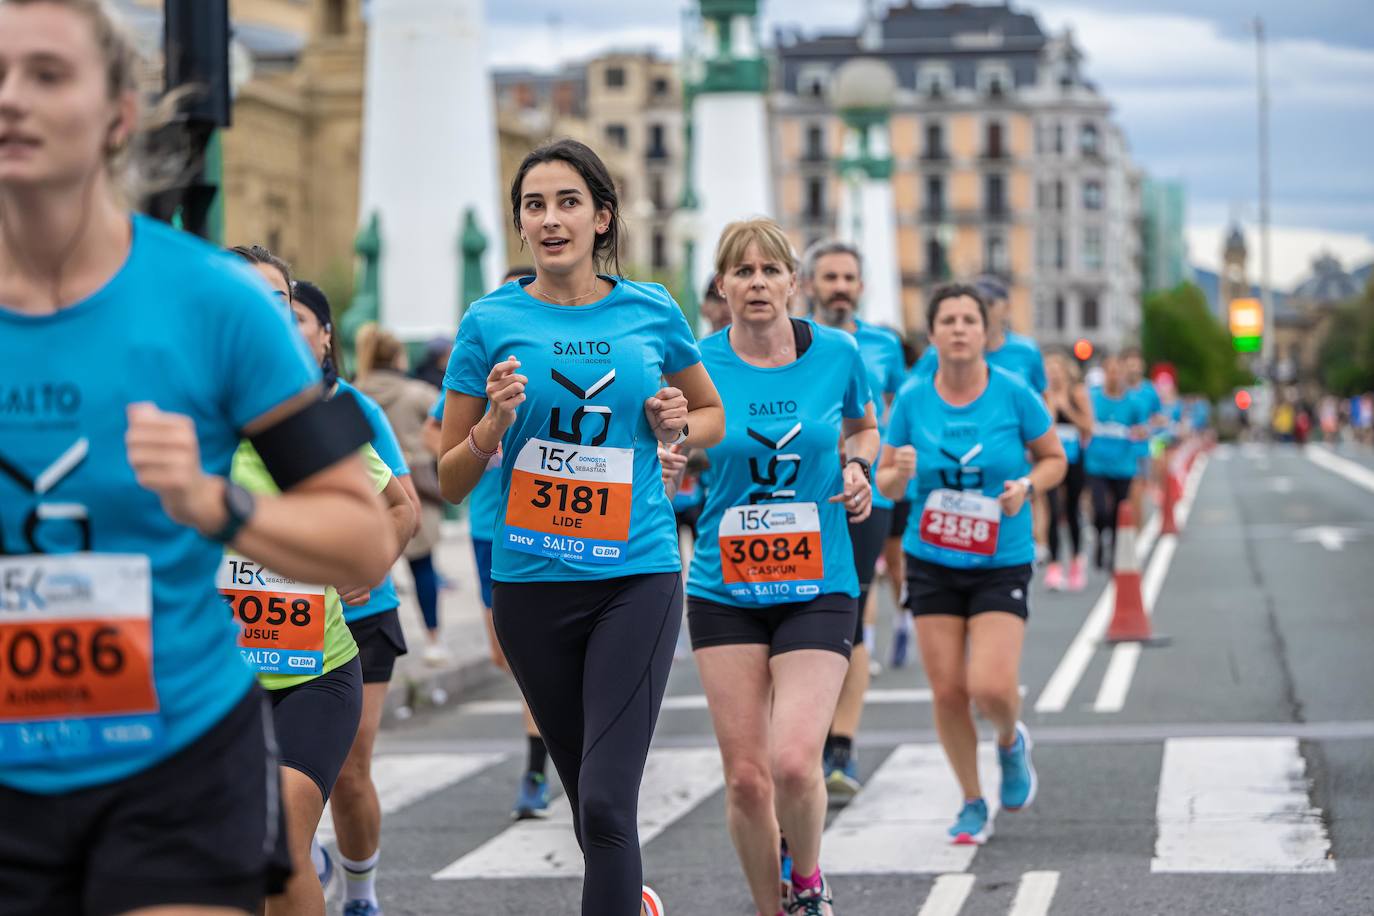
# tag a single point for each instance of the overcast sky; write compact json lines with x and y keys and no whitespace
{"x":1182,"y":75}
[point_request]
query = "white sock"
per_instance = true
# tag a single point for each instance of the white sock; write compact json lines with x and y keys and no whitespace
{"x":317,"y":858}
{"x":870,"y":637}
{"x":361,"y":878}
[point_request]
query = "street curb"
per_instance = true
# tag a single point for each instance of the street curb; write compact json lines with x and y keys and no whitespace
{"x":412,"y":693}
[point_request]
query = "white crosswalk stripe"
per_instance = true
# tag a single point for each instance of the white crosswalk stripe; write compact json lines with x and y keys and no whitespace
{"x":1035,"y":893}
{"x":947,"y":896}
{"x":403,"y":779}
{"x":897,"y":824}
{"x":1238,"y":805}
{"x":675,"y":782}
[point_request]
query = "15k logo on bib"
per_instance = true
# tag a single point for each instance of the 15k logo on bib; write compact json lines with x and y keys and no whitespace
{"x":281,"y":621}
{"x":772,"y":553}
{"x":962,"y":521}
{"x":76,"y":657}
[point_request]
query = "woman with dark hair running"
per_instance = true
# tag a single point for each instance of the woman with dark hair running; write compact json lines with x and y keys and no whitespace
{"x":577,"y":377}
{"x":963,"y":434}
{"x":1067,"y":398}
{"x":143,"y":779}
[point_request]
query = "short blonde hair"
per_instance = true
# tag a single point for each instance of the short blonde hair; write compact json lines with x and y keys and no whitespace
{"x":1070,"y":366}
{"x":766,"y":233}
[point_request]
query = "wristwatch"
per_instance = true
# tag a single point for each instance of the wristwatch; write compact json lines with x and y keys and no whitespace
{"x":681,"y":436}
{"x":239,"y":506}
{"x":1026,"y":482}
{"x":863,"y":466}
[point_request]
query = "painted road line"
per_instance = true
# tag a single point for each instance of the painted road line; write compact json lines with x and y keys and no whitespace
{"x":898,"y":823}
{"x":403,"y":779}
{"x":1125,"y":658}
{"x":889,"y":697}
{"x":1238,"y":805}
{"x":675,"y":782}
{"x":947,"y":897}
{"x":1356,"y":473}
{"x":1035,"y":893}
{"x":1067,"y":675}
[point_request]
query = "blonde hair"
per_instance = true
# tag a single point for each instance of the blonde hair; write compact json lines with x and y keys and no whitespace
{"x":375,"y":348}
{"x":766,"y":233}
{"x":1070,"y":367}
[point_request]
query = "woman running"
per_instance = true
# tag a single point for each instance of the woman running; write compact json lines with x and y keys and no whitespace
{"x":773,"y":596}
{"x":963,"y":435}
{"x":564,"y":372}
{"x":1112,"y":460}
{"x":141,"y":775}
{"x":310,"y":662}
{"x":1067,"y":398}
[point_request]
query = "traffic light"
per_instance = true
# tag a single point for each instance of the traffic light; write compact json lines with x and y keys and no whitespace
{"x":1243,"y":399}
{"x":1083,"y":349}
{"x":1247,"y":325}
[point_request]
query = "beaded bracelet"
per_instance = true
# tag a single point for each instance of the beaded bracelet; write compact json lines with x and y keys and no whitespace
{"x":479,"y":451}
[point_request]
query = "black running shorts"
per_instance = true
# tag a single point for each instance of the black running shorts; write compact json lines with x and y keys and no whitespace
{"x":317,"y":722}
{"x":380,"y":642}
{"x":936,"y":589}
{"x":202,"y":828}
{"x":825,"y":622}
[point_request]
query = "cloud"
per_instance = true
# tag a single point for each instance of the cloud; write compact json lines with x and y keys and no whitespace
{"x":1292,"y":248}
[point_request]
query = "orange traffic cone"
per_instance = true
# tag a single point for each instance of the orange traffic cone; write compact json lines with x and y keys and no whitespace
{"x":1129,"y":621}
{"x":1172,"y":491}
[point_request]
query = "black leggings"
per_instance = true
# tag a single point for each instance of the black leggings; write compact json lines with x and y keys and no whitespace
{"x":1066,"y":505}
{"x":1108,"y":495}
{"x":592,"y":659}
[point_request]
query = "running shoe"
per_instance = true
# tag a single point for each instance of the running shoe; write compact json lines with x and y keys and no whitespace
{"x":1054,"y":577}
{"x":1078,"y":576}
{"x":533,"y":801}
{"x":361,"y":908}
{"x":901,"y":643}
{"x":652,"y":905}
{"x":972,"y":827}
{"x":1018,"y":773}
{"x":436,"y":655}
{"x":842,"y":781}
{"x":814,"y":901}
{"x":331,"y":878}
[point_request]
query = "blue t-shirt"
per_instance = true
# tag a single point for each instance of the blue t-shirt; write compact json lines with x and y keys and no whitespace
{"x":1200,"y":416}
{"x":882,"y":354}
{"x":1148,"y":398}
{"x":768,"y":533}
{"x":963,"y":453}
{"x":484,"y":502}
{"x":196,"y":332}
{"x":387,"y":447}
{"x":581,"y":489}
{"x":1113,"y":451}
{"x":1019,"y":355}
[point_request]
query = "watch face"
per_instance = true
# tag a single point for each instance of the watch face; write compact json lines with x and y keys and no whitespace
{"x":238,"y":501}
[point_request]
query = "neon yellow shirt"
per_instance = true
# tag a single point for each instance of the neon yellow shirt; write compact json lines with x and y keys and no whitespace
{"x":249,"y":472}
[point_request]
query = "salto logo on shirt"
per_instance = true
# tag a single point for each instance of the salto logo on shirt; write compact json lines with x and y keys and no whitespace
{"x":40,"y":400}
{"x":583,"y":351}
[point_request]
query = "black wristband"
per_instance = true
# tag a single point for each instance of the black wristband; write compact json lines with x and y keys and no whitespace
{"x":863,"y":466}
{"x":312,"y":439}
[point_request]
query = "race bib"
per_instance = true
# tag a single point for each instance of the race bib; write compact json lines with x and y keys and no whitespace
{"x":771,"y":553}
{"x":962,"y":521}
{"x":1068,"y":433}
{"x":1111,"y":431}
{"x":76,"y":657}
{"x":281,"y":621}
{"x":571,"y":502}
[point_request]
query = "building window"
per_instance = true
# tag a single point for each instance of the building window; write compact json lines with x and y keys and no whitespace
{"x":995,"y":89}
{"x":935,"y":196}
{"x":659,"y":87}
{"x":993,"y":149}
{"x":617,"y":135}
{"x":815,"y":199}
{"x":1087,"y":140}
{"x":1092,"y":248}
{"x":1044,"y":251}
{"x":1092,"y":195}
{"x":935,"y":141}
{"x":815,"y":143}
{"x":1059,"y":196}
{"x":1090,"y":316}
{"x":335,"y":21}
{"x":995,"y":258}
{"x":1060,"y":254}
{"x":658,"y":148}
{"x":615,"y":77}
{"x":935,"y":259}
{"x":813,"y":81}
{"x":656,"y":195}
{"x":659,"y":255}
{"x":1061,"y":313}
{"x":1058,"y":134}
{"x":994,"y":195}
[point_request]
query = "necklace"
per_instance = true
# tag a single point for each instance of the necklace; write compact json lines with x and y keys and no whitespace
{"x":556,"y":301}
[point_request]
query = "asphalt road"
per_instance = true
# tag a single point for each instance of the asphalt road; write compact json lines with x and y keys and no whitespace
{"x":1230,"y":772}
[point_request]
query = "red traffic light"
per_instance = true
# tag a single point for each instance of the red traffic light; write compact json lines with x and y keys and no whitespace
{"x":1243,"y":399}
{"x":1083,"y":349}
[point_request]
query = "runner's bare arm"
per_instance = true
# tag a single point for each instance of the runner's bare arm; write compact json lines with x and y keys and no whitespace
{"x":1048,"y":464}
{"x":485,"y":420}
{"x":402,"y":506}
{"x":895,"y":470}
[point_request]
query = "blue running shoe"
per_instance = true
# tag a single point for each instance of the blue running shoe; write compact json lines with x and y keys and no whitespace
{"x":901,"y":645}
{"x":842,"y":783}
{"x":533,"y":801}
{"x":361,"y":908}
{"x":972,"y":828}
{"x":1018,"y":774}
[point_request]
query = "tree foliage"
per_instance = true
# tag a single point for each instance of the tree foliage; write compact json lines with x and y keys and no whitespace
{"x":1347,"y":353}
{"x":1179,"y":328}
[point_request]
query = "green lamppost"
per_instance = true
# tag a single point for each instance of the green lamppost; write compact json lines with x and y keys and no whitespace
{"x":367,"y":298}
{"x":472,"y":244}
